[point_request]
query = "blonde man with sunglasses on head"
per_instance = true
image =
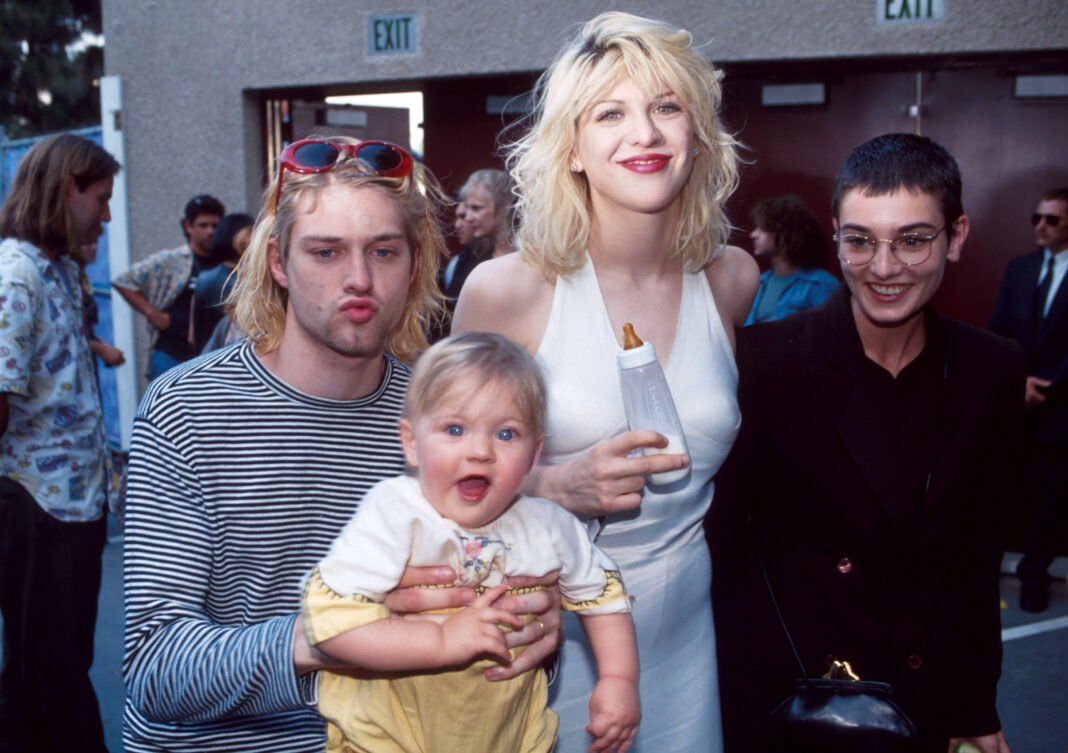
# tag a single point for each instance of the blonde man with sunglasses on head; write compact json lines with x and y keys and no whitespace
{"x":247,"y":462}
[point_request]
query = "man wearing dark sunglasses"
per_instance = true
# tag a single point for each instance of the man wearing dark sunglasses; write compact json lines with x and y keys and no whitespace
{"x":1032,"y":308}
{"x":246,"y":463}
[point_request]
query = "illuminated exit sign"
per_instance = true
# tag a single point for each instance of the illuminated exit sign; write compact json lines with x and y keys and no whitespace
{"x":395,"y":34}
{"x":893,"y":12}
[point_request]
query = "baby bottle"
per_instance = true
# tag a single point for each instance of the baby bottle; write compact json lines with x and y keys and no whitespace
{"x":648,"y":403}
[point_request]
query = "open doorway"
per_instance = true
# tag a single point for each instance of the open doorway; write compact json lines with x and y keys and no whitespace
{"x":392,"y":116}
{"x":388,"y":106}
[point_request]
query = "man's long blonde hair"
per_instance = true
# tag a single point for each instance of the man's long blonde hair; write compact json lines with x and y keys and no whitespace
{"x":259,"y":302}
{"x":554,"y":202}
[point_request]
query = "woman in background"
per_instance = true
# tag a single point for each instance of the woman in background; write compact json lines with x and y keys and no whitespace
{"x":789,"y":235}
{"x":621,"y":181}
{"x":473,"y":251}
{"x":489,"y":196}
{"x":483,"y":228}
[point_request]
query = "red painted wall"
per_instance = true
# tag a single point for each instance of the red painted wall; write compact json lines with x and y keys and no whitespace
{"x":1009,"y":150}
{"x":460,"y":137}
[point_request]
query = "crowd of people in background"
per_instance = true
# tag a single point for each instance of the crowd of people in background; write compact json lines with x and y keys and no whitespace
{"x":305,"y":518}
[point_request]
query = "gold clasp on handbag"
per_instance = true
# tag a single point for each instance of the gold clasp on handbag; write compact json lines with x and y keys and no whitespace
{"x":840,"y":670}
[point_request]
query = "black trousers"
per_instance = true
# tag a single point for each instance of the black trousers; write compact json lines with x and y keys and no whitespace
{"x":49,"y":586}
{"x":1046,"y":478}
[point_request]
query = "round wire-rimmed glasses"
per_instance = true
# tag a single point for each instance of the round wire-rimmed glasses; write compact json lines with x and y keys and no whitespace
{"x":857,"y":249}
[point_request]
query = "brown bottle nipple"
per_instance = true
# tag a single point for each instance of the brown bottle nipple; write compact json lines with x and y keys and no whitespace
{"x":630,"y":340}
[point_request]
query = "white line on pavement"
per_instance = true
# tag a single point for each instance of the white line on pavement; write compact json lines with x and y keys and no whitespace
{"x":1023,"y":631}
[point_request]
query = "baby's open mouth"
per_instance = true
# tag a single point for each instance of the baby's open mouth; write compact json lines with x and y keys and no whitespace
{"x":473,"y":487}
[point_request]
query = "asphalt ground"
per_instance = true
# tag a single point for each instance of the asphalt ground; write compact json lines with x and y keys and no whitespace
{"x":1032,"y":695}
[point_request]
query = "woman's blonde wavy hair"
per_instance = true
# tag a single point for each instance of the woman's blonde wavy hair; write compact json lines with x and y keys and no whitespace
{"x":259,"y":302}
{"x":554,"y":202}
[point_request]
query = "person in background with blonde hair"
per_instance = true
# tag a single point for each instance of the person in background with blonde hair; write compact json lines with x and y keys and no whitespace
{"x":489,"y":196}
{"x":473,"y":250}
{"x":621,"y":183}
{"x":246,"y":463}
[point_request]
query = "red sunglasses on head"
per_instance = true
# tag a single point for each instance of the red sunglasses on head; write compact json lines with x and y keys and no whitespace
{"x":320,"y":155}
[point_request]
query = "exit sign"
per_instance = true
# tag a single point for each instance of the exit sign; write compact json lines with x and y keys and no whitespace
{"x":395,"y":34}
{"x":894,"y":12}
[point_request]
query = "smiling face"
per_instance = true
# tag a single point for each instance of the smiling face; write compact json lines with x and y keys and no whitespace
{"x":472,"y":451}
{"x":347,"y":273}
{"x":635,"y":148}
{"x":886,"y":293}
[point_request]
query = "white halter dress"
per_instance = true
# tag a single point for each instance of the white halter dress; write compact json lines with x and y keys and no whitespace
{"x":659,"y":547}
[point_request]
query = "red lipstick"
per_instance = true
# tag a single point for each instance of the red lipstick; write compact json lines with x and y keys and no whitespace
{"x":646,"y":163}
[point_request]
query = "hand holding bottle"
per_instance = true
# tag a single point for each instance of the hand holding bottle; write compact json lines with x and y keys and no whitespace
{"x":648,"y":402}
{"x":606,"y":480}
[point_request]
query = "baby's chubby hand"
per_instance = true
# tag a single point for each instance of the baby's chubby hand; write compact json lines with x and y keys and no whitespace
{"x":614,"y":714}
{"x":474,"y":630}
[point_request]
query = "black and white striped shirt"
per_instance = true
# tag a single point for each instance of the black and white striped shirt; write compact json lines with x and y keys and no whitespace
{"x":237,"y":486}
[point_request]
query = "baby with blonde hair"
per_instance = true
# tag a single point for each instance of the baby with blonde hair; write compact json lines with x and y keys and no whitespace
{"x":472,"y":430}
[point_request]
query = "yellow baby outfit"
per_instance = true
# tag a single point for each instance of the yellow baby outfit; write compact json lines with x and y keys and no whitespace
{"x":455,"y":710}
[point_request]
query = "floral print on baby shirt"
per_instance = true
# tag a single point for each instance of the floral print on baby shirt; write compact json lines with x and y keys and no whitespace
{"x":479,"y":555}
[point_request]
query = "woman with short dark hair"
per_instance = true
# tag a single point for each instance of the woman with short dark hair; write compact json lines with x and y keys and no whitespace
{"x":859,"y":510}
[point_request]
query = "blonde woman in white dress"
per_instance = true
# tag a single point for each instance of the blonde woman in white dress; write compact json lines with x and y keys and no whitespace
{"x":621,"y":183}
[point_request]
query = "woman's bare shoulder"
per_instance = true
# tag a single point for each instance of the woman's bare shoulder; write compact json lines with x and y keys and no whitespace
{"x":733,"y":277}
{"x":506,"y":295}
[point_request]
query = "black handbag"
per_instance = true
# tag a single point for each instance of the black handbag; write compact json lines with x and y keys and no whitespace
{"x":839,"y":713}
{"x":841,"y":716}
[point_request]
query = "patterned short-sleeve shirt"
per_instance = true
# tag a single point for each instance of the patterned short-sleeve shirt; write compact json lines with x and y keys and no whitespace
{"x":54,"y":443}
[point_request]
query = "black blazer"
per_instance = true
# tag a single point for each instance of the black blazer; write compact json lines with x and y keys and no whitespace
{"x":1047,"y":349}
{"x":899,"y":579}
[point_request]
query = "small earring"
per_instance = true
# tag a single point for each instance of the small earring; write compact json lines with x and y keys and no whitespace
{"x":696,"y":151}
{"x":574,"y":167}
